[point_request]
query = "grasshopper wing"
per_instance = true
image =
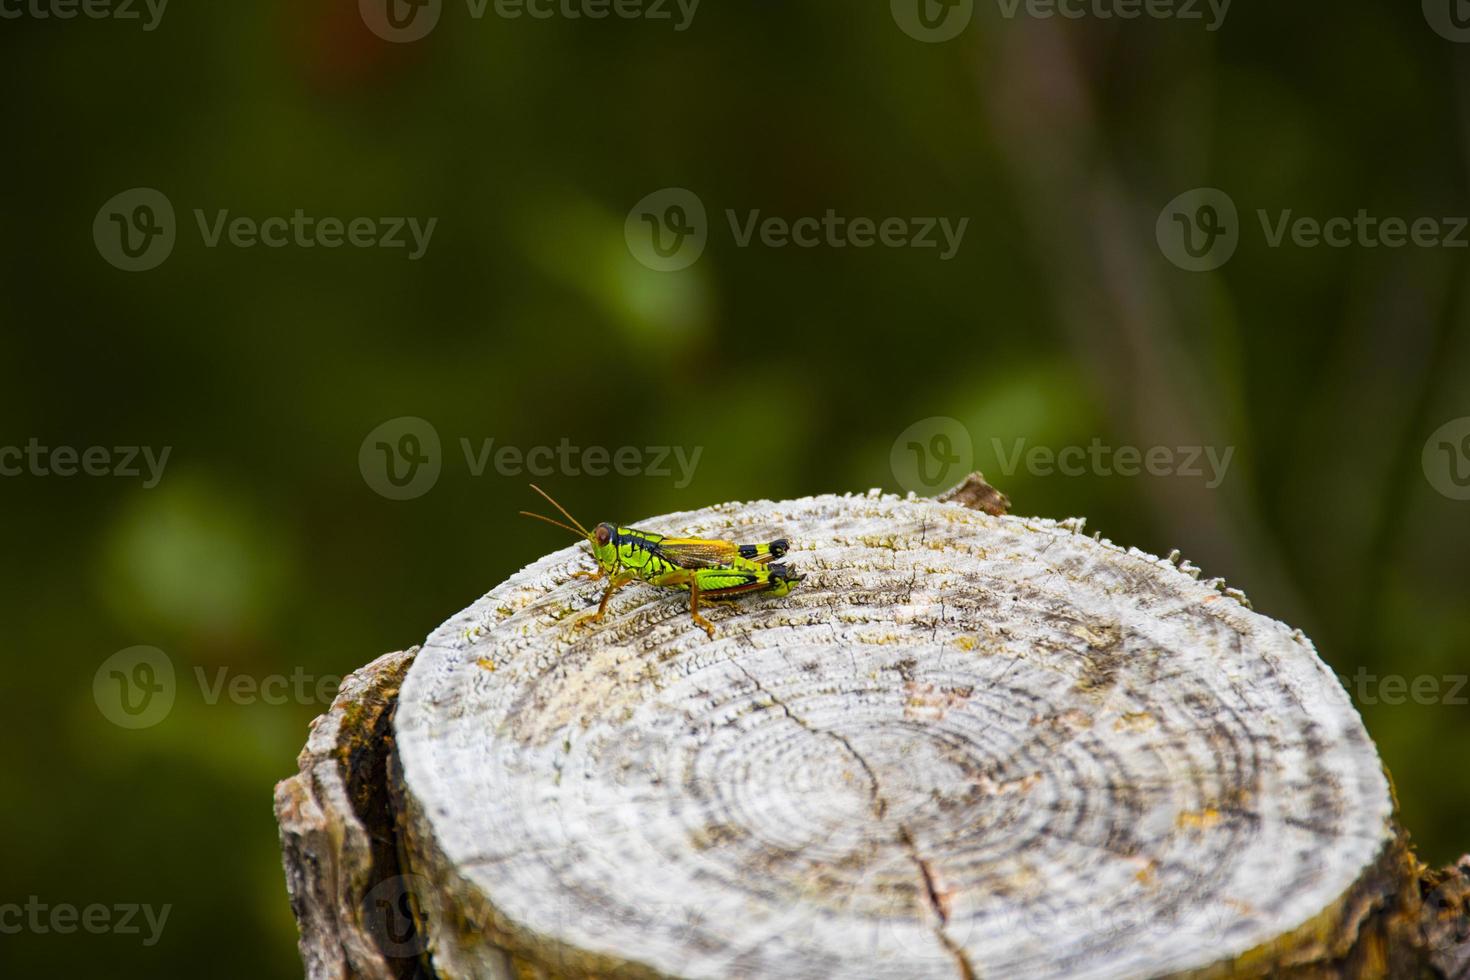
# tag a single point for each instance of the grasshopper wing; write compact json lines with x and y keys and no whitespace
{"x":698,"y":552}
{"x":713,"y":553}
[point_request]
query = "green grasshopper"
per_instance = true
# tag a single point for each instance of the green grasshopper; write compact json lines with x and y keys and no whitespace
{"x":708,"y":568}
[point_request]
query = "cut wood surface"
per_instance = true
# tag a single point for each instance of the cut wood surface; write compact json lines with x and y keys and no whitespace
{"x":967,"y":745}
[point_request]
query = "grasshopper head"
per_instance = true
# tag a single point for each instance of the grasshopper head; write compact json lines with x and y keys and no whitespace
{"x":783,"y":579}
{"x":604,"y":547}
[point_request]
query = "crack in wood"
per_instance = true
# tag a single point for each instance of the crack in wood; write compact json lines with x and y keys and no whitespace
{"x":937,"y":901}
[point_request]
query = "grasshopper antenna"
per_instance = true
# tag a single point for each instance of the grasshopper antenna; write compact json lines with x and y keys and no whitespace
{"x":579,"y":528}
{"x":540,"y":517}
{"x":585,"y":533}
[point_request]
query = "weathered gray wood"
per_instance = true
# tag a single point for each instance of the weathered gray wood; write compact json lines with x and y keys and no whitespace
{"x":968,"y":745}
{"x":338,"y":836}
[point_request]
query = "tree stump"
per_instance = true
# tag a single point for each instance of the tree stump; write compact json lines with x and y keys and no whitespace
{"x":968,"y":745}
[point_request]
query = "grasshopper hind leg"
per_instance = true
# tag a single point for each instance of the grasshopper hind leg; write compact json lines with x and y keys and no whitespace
{"x":694,"y":608}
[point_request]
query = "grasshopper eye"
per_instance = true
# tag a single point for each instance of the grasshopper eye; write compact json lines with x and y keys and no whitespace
{"x":603,"y":534}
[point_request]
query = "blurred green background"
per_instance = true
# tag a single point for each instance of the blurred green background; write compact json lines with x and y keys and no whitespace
{"x":265,"y":550}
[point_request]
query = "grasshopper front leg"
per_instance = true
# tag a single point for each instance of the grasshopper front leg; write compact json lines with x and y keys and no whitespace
{"x":616,"y":582}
